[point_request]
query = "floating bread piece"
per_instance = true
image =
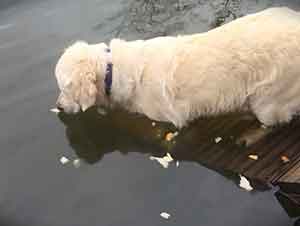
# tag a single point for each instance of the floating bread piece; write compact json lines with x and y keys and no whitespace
{"x":101,"y":111}
{"x":170,"y":136}
{"x":64,"y":160}
{"x":165,"y":215}
{"x":263,"y":126}
{"x":168,"y":157}
{"x":76,"y":163}
{"x":245,"y":184}
{"x":253,"y":157}
{"x":284,"y":159}
{"x":161,"y":161}
{"x":218,"y":139}
{"x":164,"y":161}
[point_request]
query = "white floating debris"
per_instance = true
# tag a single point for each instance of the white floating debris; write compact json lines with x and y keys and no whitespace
{"x":245,"y":184}
{"x":165,"y":215}
{"x":55,"y":110}
{"x":168,"y":157}
{"x":218,"y":139}
{"x":161,"y":161}
{"x":263,"y":126}
{"x":177,"y":163}
{"x":164,"y":161}
{"x":101,"y":111}
{"x":153,"y":124}
{"x":76,"y":163}
{"x":64,"y":160}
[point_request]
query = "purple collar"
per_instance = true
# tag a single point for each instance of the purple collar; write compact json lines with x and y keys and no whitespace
{"x":108,"y":76}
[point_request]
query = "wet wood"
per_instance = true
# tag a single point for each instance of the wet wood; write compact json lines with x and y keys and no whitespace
{"x":292,"y":175}
{"x":290,"y":202}
{"x":277,"y":156}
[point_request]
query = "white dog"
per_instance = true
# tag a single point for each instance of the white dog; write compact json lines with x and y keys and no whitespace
{"x":252,"y":63}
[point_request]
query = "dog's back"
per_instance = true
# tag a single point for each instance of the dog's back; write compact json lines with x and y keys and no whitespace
{"x":225,"y":66}
{"x":250,"y":62}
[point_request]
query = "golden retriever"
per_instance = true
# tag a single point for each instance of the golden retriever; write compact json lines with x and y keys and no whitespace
{"x":250,"y":64}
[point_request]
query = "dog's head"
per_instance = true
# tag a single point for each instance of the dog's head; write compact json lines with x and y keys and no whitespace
{"x":80,"y":73}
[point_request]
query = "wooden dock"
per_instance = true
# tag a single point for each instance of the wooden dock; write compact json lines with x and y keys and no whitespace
{"x":278,"y":154}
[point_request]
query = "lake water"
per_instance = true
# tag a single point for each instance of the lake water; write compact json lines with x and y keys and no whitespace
{"x":116,"y":184}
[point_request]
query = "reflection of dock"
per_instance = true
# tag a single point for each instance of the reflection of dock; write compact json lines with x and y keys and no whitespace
{"x":92,"y":135}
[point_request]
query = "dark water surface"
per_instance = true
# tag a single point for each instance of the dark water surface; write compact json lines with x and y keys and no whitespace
{"x":116,"y":184}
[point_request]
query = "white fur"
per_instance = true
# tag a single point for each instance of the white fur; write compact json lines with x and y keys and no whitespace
{"x":252,"y":63}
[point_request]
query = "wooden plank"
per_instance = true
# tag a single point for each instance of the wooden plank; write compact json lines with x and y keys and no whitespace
{"x":290,"y":202}
{"x":269,"y":167}
{"x":292,"y":175}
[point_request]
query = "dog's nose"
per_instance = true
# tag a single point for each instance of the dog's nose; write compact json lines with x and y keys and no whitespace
{"x":59,"y":107}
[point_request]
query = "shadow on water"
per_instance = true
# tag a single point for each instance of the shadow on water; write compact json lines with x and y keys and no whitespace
{"x":92,"y":135}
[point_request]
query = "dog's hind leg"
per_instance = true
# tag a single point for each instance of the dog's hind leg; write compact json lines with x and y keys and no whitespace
{"x":253,"y":135}
{"x":270,"y":113}
{"x":268,"y":117}
{"x":274,"y":108}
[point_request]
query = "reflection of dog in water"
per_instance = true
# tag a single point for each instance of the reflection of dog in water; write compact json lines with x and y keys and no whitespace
{"x":91,"y":135}
{"x":251,"y":64}
{"x":117,"y":133}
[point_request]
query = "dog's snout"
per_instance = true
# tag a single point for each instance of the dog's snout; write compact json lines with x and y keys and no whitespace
{"x":59,"y":106}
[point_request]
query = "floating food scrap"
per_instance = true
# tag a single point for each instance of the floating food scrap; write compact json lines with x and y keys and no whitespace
{"x":165,"y":215}
{"x":55,"y":110}
{"x":76,"y":163}
{"x":161,"y":161}
{"x":218,"y":139}
{"x":177,"y":163}
{"x":101,"y":111}
{"x":253,"y":157}
{"x":263,"y":126}
{"x":164,"y":161}
{"x":284,"y":159}
{"x":153,"y":124}
{"x":158,"y":134}
{"x":168,"y":157}
{"x":245,"y":184}
{"x":64,"y":160}
{"x":170,"y":136}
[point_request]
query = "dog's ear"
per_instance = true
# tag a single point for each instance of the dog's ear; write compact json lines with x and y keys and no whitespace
{"x":88,"y":91}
